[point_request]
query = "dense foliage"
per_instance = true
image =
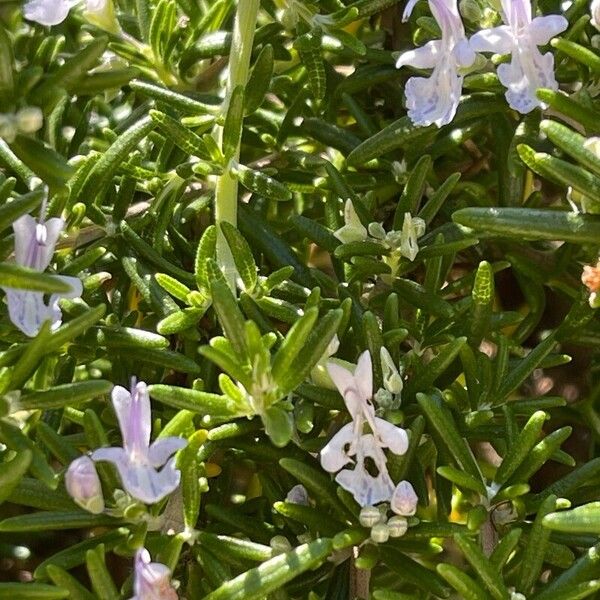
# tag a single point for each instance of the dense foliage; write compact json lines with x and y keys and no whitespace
{"x":256,"y":197}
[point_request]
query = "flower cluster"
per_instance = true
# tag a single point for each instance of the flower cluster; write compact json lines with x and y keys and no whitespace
{"x":400,"y":244}
{"x":361,"y":444}
{"x":147,"y":471}
{"x":434,"y":99}
{"x":34,"y":247}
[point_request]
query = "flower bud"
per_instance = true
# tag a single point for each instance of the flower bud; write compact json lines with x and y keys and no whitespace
{"x":380,"y":533}
{"x":595,"y":12}
{"x":369,"y":516}
{"x":30,"y":119}
{"x":83,"y":484}
{"x":404,"y":499}
{"x":392,"y":379}
{"x":280,"y":544}
{"x":297,"y":495}
{"x":397,"y":526}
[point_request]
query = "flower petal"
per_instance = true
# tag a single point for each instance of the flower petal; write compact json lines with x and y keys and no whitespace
{"x":160,"y":450}
{"x":47,"y":12}
{"x":498,"y":40}
{"x":334,"y":455}
{"x":543,"y":29}
{"x":524,"y":75}
{"x":27,"y":310}
{"x":133,"y":413}
{"x":392,"y":437}
{"x":424,"y":57}
{"x":434,"y":99}
{"x":463,"y":53}
{"x":152,"y":581}
{"x":363,"y":375}
{"x":366,"y":488}
{"x":410,"y":5}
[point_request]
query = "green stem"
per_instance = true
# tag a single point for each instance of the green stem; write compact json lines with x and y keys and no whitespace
{"x":226,"y":193}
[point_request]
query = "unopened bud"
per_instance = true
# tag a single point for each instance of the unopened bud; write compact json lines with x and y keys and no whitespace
{"x":369,"y":516}
{"x":297,"y":495}
{"x":30,"y":119}
{"x":280,"y":544}
{"x":398,"y":526}
{"x":404,"y":500}
{"x":380,"y":533}
{"x":392,"y":379}
{"x":83,"y":484}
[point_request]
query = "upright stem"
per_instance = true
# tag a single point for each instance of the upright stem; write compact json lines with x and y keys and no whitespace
{"x":226,"y":193}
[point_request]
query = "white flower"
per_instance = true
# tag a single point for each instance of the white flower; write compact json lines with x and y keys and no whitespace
{"x":353,"y":230}
{"x":595,"y":12}
{"x":34,"y":247}
{"x":434,"y":99}
{"x":412,"y":229}
{"x":368,"y":480}
{"x":529,"y":70}
{"x":53,"y":12}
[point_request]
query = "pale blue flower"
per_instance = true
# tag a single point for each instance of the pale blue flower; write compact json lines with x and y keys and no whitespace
{"x":151,"y":580}
{"x":528,"y":70}
{"x":34,"y":248}
{"x":352,"y":446}
{"x":53,"y":12}
{"x":138,"y":462}
{"x":434,"y":99}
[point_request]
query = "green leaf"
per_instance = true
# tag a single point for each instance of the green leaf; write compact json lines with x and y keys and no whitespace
{"x":12,"y":472}
{"x":279,"y":425}
{"x":259,"y":81}
{"x":274,"y":573}
{"x":69,"y":394}
{"x":193,"y":400}
{"x":532,"y":558}
{"x":521,"y":446}
{"x":583,"y":519}
{"x":11,"y":211}
{"x":232,"y":130}
{"x":23,"y":278}
{"x":311,"y":56}
{"x":102,"y":583}
{"x":103,"y":171}
{"x":440,"y":419}
{"x":32,"y":591}
{"x":531,"y":224}
{"x":261,"y":184}
{"x":61,"y":578}
{"x":462,"y":583}
{"x":488,"y":576}
{"x":229,"y":315}
{"x":242,"y":256}
{"x":55,"y":521}
{"x":185,"y":139}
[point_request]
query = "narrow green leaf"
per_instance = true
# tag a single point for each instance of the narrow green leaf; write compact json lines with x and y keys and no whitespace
{"x":274,"y":573}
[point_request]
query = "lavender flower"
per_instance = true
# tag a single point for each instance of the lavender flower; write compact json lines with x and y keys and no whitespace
{"x":34,"y":247}
{"x":152,"y":581}
{"x":53,"y":12}
{"x":83,"y":484}
{"x":528,"y":70}
{"x":138,"y":461}
{"x":351,"y":445}
{"x":434,"y":99}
